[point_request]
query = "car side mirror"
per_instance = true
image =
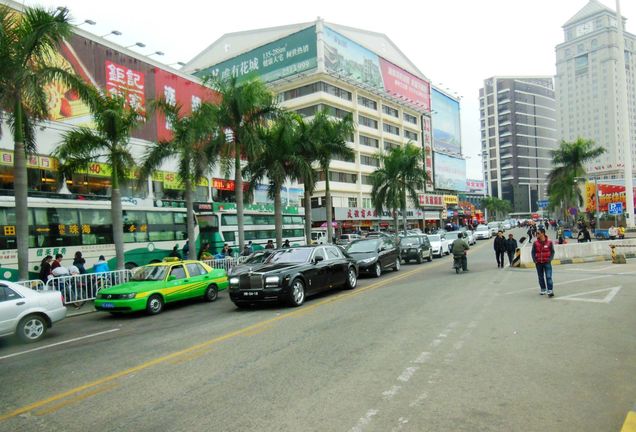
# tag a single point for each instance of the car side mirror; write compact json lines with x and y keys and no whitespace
{"x":318,"y":258}
{"x":171,"y":278}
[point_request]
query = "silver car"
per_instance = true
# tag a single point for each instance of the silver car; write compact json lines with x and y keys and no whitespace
{"x":27,"y":313}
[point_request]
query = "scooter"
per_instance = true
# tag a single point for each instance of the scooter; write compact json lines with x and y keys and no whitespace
{"x":457,"y":262}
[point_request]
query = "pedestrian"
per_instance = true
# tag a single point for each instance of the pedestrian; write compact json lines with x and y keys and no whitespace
{"x":499,"y":245}
{"x":270,"y":244}
{"x":612,"y":232}
{"x":542,"y":255}
{"x":250,"y":247}
{"x":560,"y":236}
{"x":529,"y":233}
{"x":45,"y":269}
{"x":186,"y":248}
{"x":621,"y":232}
{"x":246,"y":251}
{"x":226,"y":251}
{"x":79,"y":262}
{"x":175,"y":252}
{"x":204,"y":253}
{"x":101,"y":266}
{"x":57,"y":263}
{"x":286,"y":244}
{"x":511,"y":247}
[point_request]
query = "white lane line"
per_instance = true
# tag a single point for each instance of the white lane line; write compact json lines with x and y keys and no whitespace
{"x":560,"y":283}
{"x":364,"y":421}
{"x":58,"y":343}
{"x":388,"y":394}
{"x":408,"y":373}
{"x":607,"y":299}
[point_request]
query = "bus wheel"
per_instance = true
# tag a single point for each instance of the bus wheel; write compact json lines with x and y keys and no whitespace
{"x":130,"y":265}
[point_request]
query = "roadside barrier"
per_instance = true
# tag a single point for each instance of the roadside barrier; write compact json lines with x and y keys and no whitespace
{"x":81,"y":288}
{"x":34,"y":284}
{"x":226,"y":263}
{"x":516,"y":261}
{"x":619,"y":258}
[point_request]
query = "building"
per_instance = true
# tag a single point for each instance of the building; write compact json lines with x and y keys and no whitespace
{"x":320,"y":65}
{"x":586,"y":86}
{"x":518,"y":131}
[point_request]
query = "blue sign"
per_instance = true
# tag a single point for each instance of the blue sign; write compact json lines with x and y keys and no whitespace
{"x":543,"y":203}
{"x":615,"y":208}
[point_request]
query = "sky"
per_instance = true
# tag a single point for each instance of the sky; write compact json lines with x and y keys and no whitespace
{"x":456,"y":44}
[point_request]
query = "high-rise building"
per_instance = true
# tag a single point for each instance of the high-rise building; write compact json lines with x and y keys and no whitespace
{"x":518,"y":131}
{"x":587,"y":86}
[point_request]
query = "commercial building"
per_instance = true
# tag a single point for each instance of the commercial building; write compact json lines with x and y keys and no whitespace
{"x":518,"y":131}
{"x":587,"y":87}
{"x":319,"y":65}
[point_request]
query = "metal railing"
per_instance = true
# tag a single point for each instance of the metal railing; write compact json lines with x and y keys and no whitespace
{"x":34,"y":284}
{"x":226,"y":263}
{"x":81,"y":288}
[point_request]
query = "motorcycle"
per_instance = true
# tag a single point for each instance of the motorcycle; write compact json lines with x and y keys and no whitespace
{"x":458,"y":262}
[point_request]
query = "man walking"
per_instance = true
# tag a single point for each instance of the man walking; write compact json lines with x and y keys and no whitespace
{"x":511,"y":247}
{"x":500,"y":248}
{"x":542,"y":254}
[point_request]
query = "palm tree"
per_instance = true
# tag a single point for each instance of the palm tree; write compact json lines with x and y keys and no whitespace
{"x":568,"y":161}
{"x":331,"y":138}
{"x":26,"y":43}
{"x":279,"y":160}
{"x":242,"y":110}
{"x":401,"y":176}
{"x":306,"y":148}
{"x":496,"y":206}
{"x":193,"y":145}
{"x":108,"y":141}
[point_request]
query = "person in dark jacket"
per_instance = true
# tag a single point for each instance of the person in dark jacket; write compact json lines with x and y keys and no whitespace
{"x":542,"y":255}
{"x":500,"y":248}
{"x":511,"y":247}
{"x":175,"y":252}
{"x":45,"y":268}
{"x":79,"y":262}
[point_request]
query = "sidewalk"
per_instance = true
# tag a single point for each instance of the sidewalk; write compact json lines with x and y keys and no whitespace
{"x":86,"y":308}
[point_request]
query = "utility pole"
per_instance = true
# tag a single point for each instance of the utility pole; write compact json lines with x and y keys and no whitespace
{"x":621,"y":90}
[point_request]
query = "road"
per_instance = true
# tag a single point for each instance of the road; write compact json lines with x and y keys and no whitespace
{"x":422,"y":349}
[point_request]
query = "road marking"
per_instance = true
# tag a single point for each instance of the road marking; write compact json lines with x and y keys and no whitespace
{"x":364,"y":420}
{"x":75,"y":399}
{"x":59,"y":343}
{"x":607,"y":299}
{"x":560,"y":283}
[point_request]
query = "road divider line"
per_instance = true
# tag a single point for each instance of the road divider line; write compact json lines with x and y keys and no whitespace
{"x":630,"y":422}
{"x":75,"y":399}
{"x":58,"y":343}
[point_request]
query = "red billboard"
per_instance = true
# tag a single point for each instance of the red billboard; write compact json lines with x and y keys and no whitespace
{"x":607,"y":193}
{"x":405,"y":85}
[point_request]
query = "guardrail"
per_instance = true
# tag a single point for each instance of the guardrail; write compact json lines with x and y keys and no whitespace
{"x":34,"y":284}
{"x":81,"y":288}
{"x":226,"y":263}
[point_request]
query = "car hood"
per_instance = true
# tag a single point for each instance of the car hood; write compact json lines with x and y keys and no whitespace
{"x":359,"y":256}
{"x":277,"y":267}
{"x":245,"y":268}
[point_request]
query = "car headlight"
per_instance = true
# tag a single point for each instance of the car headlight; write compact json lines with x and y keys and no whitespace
{"x":367,"y":260}
{"x":129,"y":296}
{"x":234,"y":281}
{"x":272,"y":280}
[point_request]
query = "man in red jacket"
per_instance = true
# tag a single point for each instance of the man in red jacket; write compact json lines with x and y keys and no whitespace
{"x":542,"y":254}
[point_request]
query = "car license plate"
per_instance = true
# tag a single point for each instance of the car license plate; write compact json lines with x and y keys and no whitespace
{"x":108,"y":305}
{"x":251,"y":293}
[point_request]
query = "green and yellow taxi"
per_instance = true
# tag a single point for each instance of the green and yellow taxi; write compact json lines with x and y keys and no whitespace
{"x":154,"y":285}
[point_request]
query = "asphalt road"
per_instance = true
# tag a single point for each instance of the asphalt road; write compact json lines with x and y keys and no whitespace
{"x":422,"y":349}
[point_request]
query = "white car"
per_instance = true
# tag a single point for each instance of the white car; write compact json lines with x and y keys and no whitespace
{"x":28,"y":313}
{"x":470,"y":237}
{"x":482,"y":232}
{"x":439,"y":244}
{"x":506,"y":225}
{"x":494,"y":227}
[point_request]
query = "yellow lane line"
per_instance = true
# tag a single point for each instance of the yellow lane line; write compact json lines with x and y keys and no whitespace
{"x":77,"y":398}
{"x":630,"y":422}
{"x":240,"y":332}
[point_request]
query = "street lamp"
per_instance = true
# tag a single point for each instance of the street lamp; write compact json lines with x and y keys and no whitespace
{"x":137,"y":44}
{"x":88,"y":21}
{"x":114,"y":32}
{"x":159,"y":53}
{"x":181,"y":64}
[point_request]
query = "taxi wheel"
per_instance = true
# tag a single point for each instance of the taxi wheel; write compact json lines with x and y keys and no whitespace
{"x":211,"y":293}
{"x":154,"y":305}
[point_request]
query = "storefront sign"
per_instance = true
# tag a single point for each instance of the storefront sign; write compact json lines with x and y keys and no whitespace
{"x":126,"y":82}
{"x":33,"y":161}
{"x":360,"y":214}
{"x":428,"y":200}
{"x":451,"y":199}
{"x":607,"y":193}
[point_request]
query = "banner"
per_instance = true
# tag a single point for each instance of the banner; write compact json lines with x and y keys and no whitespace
{"x":450,"y":172}
{"x":476,"y":186}
{"x":607,"y":193}
{"x":290,"y":55}
{"x":446,"y":123}
{"x":344,"y":56}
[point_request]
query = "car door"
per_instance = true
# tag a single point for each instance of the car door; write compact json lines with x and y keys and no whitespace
{"x":337,"y":269}
{"x":11,"y":305}
{"x":387,"y":257}
{"x":197,"y":280}
{"x":176,"y":284}
{"x":318,"y":279}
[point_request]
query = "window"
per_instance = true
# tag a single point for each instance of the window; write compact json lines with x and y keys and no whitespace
{"x":366,"y":179}
{"x":410,"y":135}
{"x":135,"y":226}
{"x":178,"y":272}
{"x":371,"y":104}
{"x":7,"y":294}
{"x":320,"y":252}
{"x":369,"y":160}
{"x":195,"y":269}
{"x":368,"y":141}
{"x":410,"y":118}
{"x":56,"y":227}
{"x":333,"y":253}
{"x":337,"y":176}
{"x":580,"y":62}
{"x":314,"y":88}
{"x":388,"y":145}
{"x":97,"y":227}
{"x":332,"y":111}
{"x":349,"y":158}
{"x":366,"y":121}
{"x":390,"y":111}
{"x":366,"y":203}
{"x":353,"y":202}
{"x":391,"y":129}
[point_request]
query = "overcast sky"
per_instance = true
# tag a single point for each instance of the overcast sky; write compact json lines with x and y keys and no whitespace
{"x":458,"y":43}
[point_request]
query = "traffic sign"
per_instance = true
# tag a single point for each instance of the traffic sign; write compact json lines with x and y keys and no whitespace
{"x":543,"y":203}
{"x":615,"y":208}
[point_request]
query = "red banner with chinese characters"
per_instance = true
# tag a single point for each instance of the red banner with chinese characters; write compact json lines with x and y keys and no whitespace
{"x":429,"y":200}
{"x":606,"y":194}
{"x":227,"y":185}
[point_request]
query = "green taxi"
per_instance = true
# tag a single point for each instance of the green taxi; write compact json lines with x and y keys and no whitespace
{"x":154,"y":285}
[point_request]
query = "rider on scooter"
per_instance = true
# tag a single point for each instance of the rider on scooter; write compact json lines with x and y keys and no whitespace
{"x":459,"y":248}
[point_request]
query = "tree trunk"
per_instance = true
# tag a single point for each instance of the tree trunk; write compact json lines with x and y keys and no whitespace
{"x":278,"y":217}
{"x":118,"y":221}
{"x":307,"y":215}
{"x":403,"y":212}
{"x":21,"y":197}
{"x":395,"y":221}
{"x":192,"y":250}
{"x":328,"y":209}
{"x":238,"y":194}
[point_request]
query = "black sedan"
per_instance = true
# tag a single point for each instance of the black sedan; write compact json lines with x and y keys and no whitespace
{"x":251,"y":263}
{"x":292,"y":274}
{"x":416,"y":247}
{"x":375,"y":255}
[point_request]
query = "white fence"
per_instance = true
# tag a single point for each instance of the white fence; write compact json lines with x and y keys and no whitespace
{"x":226,"y":263}
{"x":35,"y":284}
{"x":81,"y":288}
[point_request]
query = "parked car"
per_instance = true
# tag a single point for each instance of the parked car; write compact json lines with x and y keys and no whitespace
{"x":291,"y":275}
{"x":375,"y":255}
{"x":318,"y":236}
{"x":154,"y":285}
{"x":345,"y":239}
{"x":494,"y":227}
{"x":439,"y":244}
{"x":415,"y":247}
{"x":28,"y":313}
{"x":482,"y":232}
{"x":506,"y":225}
{"x":470,"y":237}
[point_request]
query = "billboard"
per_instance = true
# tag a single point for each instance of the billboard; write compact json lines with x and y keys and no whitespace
{"x":446,"y":124}
{"x":450,"y":172}
{"x":117,"y":73}
{"x":476,"y":186}
{"x":290,"y":55}
{"x":608,"y":192}
{"x":344,"y":56}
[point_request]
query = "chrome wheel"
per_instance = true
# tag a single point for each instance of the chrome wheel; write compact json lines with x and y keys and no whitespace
{"x":396,"y":267}
{"x":378,"y":270}
{"x":297,"y":292}
{"x":352,"y":279}
{"x":32,"y":328}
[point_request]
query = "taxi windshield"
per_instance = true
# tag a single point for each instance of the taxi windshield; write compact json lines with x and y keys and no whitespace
{"x":150,"y":273}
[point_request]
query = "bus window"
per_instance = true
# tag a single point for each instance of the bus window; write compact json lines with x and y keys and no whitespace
{"x":57,"y":227}
{"x":229,"y":220}
{"x":97,"y":226}
{"x":160,"y":226}
{"x":7,"y":227}
{"x":135,"y":226}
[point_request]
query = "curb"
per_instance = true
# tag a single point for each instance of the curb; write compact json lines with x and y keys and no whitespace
{"x":630,"y":421}
{"x":86,"y":308}
{"x":598,"y":258}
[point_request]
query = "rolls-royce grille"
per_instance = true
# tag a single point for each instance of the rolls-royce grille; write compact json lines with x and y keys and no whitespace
{"x":251,"y":281}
